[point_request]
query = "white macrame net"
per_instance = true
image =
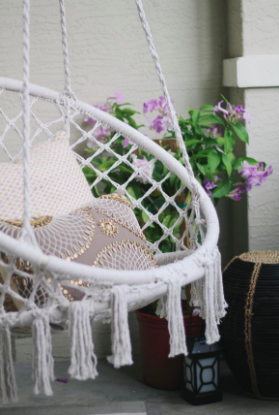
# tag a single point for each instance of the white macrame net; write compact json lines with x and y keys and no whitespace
{"x":107,"y":294}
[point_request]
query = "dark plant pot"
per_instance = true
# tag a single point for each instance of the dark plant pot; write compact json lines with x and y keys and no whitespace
{"x":159,"y":370}
{"x":250,"y":330}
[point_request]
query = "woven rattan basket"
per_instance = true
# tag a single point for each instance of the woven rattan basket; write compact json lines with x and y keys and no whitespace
{"x":250,"y":330}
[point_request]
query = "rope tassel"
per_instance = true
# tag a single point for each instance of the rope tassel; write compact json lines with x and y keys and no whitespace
{"x":121,"y":341}
{"x":43,"y":364}
{"x":175,"y":320}
{"x":7,"y":374}
{"x":83,"y":359}
{"x":214,"y":304}
{"x":221,"y":304}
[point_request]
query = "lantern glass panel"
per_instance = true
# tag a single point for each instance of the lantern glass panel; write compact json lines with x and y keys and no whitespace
{"x":207,"y":375}
{"x":189,"y":375}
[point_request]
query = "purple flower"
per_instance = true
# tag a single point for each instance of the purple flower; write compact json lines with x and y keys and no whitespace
{"x":235,"y":195}
{"x":157,"y":124}
{"x":146,"y":168}
{"x":150,"y":106}
{"x":255,"y":174}
{"x":233,"y":114}
{"x":219,"y":149}
{"x":119,"y":98}
{"x":215,"y":132}
{"x":163,"y":121}
{"x":103,"y":107}
{"x":126,"y":142}
{"x":218,"y":107}
{"x":208,"y":186}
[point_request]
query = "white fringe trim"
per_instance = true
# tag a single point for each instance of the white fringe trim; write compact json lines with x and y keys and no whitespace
{"x":83,"y":359}
{"x":121,"y":341}
{"x":7,"y":374}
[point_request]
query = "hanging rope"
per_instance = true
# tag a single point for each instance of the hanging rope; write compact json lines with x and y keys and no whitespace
{"x":27,"y":232}
{"x":177,"y":130}
{"x":68,"y":92}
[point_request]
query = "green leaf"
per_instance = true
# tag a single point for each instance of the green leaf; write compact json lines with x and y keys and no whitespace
{"x":201,"y":168}
{"x":129,"y":112}
{"x":118,"y":114}
{"x":132,"y":122}
{"x":210,"y":119}
{"x":227,"y":164}
{"x":144,"y":216}
{"x":169,"y":220}
{"x":231,"y":157}
{"x":222,"y":189}
{"x":192,"y":142}
{"x":206,"y":108}
{"x":239,"y":161}
{"x":229,"y":141}
{"x":134,"y":191}
{"x":195,"y":115}
{"x":210,"y":176}
{"x":213,"y":160}
{"x":177,"y":228}
{"x":172,"y":179}
{"x":106,"y":165}
{"x":241,"y":132}
{"x":95,"y":191}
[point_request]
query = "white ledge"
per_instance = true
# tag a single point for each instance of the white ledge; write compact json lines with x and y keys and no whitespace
{"x":258,"y":71}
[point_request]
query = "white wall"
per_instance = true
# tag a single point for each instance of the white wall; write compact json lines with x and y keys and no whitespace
{"x":253,"y":29}
{"x":108,"y":52}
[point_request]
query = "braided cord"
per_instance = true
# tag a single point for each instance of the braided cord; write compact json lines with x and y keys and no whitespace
{"x":162,"y":80}
{"x":67,"y":89}
{"x":68,"y":93}
{"x":27,"y":232}
{"x":194,"y":188}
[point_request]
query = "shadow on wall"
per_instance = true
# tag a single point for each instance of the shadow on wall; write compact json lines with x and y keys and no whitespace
{"x":233,"y":216}
{"x":211,"y":45}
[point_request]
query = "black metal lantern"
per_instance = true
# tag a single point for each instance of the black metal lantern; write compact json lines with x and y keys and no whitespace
{"x":201,"y":372}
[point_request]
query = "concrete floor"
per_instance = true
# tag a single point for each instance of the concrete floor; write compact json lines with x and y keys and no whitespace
{"x":125,"y":385}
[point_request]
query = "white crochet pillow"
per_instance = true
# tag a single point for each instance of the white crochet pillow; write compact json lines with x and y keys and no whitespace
{"x":57,"y":184}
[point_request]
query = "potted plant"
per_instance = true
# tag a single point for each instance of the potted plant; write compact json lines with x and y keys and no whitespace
{"x":210,"y":135}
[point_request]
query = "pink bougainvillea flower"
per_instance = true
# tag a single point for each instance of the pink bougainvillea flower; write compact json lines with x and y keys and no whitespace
{"x":145,"y":169}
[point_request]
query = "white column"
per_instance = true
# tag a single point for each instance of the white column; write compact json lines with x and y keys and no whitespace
{"x":253,"y":74}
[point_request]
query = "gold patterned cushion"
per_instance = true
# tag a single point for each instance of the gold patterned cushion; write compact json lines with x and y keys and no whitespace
{"x":104,"y":234}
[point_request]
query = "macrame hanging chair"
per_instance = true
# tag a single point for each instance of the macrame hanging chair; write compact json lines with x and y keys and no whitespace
{"x":107,"y":294}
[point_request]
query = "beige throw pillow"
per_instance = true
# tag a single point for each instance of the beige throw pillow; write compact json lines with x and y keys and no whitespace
{"x":57,"y":184}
